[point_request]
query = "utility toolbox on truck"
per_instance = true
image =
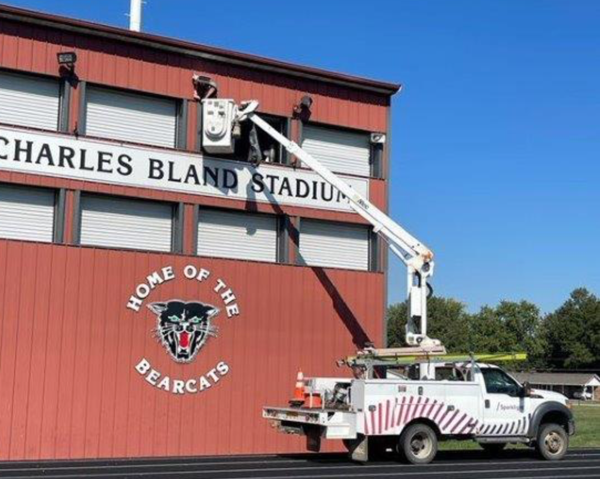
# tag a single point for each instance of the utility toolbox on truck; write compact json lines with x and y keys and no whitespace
{"x":412,"y":407}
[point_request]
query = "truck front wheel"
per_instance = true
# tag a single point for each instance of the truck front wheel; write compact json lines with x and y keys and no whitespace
{"x":418,"y":444}
{"x":552,"y":442}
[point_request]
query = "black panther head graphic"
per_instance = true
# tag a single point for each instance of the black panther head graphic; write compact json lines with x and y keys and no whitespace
{"x":183,"y":327}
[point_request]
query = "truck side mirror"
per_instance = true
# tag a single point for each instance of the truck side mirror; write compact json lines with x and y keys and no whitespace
{"x":526,"y":389}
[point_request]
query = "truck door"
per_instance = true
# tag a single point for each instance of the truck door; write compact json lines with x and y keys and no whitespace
{"x":504,"y":408}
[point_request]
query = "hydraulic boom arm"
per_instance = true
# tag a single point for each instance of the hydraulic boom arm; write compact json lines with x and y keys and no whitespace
{"x":414,"y":254}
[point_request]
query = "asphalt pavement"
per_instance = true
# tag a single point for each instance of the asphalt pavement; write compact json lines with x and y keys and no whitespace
{"x":522,"y":464}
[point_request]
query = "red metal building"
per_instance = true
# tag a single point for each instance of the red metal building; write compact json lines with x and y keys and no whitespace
{"x":117,"y":233}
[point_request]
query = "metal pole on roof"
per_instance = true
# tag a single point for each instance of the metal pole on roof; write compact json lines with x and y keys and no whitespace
{"x":135,"y":15}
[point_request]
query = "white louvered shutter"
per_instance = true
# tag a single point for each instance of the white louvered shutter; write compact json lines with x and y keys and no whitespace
{"x":228,"y":234}
{"x":29,"y":101}
{"x":27,"y":213}
{"x":339,"y":150}
{"x":126,"y":223}
{"x":334,"y":245}
{"x":131,"y":117}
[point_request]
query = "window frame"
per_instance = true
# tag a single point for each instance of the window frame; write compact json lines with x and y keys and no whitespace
{"x":284,"y":156}
{"x":58,"y":211}
{"x":281,"y":230}
{"x":181,"y":115}
{"x":64,"y":105}
{"x":64,"y":98}
{"x":376,"y":151}
{"x":372,"y":247}
{"x":177,"y":222}
{"x":518,"y":387}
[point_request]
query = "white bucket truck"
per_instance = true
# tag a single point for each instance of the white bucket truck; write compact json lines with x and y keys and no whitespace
{"x":411,"y":408}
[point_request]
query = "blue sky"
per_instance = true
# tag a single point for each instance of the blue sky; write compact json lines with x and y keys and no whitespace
{"x":496,"y":136}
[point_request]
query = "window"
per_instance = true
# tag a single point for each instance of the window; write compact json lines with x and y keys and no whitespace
{"x":450,"y":373}
{"x":271,"y":150}
{"x":29,"y":100}
{"x":133,"y":117}
{"x":342,"y":151}
{"x":232,"y":234}
{"x":334,"y":244}
{"x":498,"y":382}
{"x":126,"y":223}
{"x":27,"y":213}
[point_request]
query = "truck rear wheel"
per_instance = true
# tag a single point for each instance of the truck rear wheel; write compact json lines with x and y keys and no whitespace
{"x":552,"y":442}
{"x":418,"y":444}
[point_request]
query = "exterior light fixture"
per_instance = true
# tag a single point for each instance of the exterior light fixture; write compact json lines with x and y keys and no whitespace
{"x":67,"y":59}
{"x":204,"y":87}
{"x":302,"y":109}
{"x":306,"y":102}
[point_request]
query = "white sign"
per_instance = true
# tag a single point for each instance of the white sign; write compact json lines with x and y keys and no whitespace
{"x":100,"y":161}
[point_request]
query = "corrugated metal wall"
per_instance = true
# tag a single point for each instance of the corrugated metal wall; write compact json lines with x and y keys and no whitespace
{"x":68,"y":347}
{"x":110,"y":62}
{"x":113,"y":63}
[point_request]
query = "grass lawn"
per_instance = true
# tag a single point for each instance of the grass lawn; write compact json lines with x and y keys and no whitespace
{"x":587,"y":427}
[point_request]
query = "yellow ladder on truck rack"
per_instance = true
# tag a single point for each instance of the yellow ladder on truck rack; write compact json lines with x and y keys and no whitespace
{"x":392,"y":359}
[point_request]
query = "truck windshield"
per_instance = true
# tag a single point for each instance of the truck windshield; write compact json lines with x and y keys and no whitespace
{"x":498,"y":382}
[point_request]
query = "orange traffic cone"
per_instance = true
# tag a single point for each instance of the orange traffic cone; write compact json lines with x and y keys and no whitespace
{"x":298,"y":398}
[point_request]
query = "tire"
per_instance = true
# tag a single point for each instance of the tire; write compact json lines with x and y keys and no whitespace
{"x":418,"y":444}
{"x":493,"y":448}
{"x":552,"y":442}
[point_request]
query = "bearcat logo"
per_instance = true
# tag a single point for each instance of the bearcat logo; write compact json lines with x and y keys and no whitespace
{"x":184,"y":327}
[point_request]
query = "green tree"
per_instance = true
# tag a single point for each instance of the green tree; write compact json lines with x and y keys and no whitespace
{"x":509,"y":327}
{"x":448,"y":321}
{"x":572,"y":332}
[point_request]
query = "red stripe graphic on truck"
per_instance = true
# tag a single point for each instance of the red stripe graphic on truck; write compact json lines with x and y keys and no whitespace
{"x":401,"y":410}
{"x":413,"y":411}
{"x":389,"y":418}
{"x":429,"y":411}
{"x":422,"y":408}
{"x":438,"y":412}
{"x":444,"y":425}
{"x":387,"y":414}
{"x":511,"y":428}
{"x":458,"y":424}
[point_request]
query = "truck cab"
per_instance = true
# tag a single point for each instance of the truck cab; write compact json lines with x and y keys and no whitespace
{"x":412,"y":407}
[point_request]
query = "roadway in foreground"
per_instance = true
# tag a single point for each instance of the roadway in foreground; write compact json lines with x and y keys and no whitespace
{"x":579,"y":463}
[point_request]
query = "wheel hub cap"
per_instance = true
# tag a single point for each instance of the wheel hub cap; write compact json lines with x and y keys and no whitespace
{"x":554,"y":443}
{"x":420,"y":445}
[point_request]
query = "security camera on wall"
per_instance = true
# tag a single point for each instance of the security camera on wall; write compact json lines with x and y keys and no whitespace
{"x":377,"y":138}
